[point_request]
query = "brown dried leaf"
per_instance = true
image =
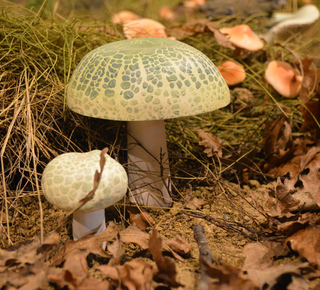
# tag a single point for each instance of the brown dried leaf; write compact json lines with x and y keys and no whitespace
{"x":259,"y":268}
{"x":277,"y":136}
{"x":301,"y":221}
{"x":220,"y":37}
{"x":257,"y":255}
{"x":133,"y":234}
{"x":30,"y":277}
{"x":311,"y":117}
{"x":135,"y":274}
{"x":90,"y":242}
{"x":195,"y":204}
{"x":116,"y":250}
{"x":307,"y":243}
{"x":275,"y":276}
{"x":228,"y":277}
{"x":94,"y":283}
{"x":74,"y":271}
{"x":139,"y":217}
{"x":179,"y":245}
{"x":284,"y":194}
{"x":167,"y":268}
{"x":27,"y":252}
{"x":311,"y":80}
{"x":311,"y":184}
{"x":211,"y":143}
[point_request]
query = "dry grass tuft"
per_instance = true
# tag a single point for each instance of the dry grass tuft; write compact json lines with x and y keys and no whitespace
{"x":37,"y":58}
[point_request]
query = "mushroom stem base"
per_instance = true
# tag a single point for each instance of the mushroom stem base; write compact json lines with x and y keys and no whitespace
{"x":148,"y":163}
{"x":85,"y":223}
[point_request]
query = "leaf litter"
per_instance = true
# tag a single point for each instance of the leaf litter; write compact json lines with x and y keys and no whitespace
{"x":252,"y":186}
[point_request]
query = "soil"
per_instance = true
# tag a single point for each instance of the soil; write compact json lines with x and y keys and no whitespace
{"x":220,"y":206}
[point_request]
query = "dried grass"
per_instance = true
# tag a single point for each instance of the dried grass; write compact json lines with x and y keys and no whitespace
{"x":37,"y":58}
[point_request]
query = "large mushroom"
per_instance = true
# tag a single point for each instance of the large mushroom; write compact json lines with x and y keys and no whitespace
{"x":145,"y":81}
{"x":69,"y":177}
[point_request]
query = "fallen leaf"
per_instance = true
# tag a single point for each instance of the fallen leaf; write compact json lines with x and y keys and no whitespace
{"x":116,"y":250}
{"x":133,"y":234}
{"x":179,"y":245}
{"x":90,"y":242}
{"x":311,"y":80}
{"x":278,"y":276}
{"x":306,"y":242}
{"x":30,"y":277}
{"x":134,"y":274}
{"x":222,"y":39}
{"x":139,"y":217}
{"x":74,"y":271}
{"x":227,"y":277}
{"x":257,"y":255}
{"x":277,"y":136}
{"x":27,"y":252}
{"x":211,"y":143}
{"x":195,"y":204}
{"x":166,"y":268}
{"x":311,"y":117}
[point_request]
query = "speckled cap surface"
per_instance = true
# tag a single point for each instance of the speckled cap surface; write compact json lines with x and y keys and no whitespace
{"x":69,"y":177}
{"x":146,"y":79}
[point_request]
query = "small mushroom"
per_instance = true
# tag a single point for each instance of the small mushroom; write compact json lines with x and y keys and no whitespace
{"x":285,"y":79}
{"x":242,"y":36}
{"x":124,"y":17}
{"x":167,"y":14}
{"x":288,"y":24}
{"x":144,"y":27}
{"x":144,"y":81}
{"x":233,"y":73}
{"x":69,"y":177}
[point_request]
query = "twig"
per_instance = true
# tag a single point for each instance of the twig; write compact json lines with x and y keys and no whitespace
{"x":205,"y":254}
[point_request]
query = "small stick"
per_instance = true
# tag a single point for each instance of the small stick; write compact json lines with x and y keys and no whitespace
{"x":205,"y":254}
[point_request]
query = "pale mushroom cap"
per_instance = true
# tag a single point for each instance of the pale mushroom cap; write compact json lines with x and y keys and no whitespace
{"x":124,"y":16}
{"x":243,"y":37}
{"x":307,"y":14}
{"x":285,"y":79}
{"x":289,"y":24}
{"x":232,"y":72}
{"x":69,"y":177}
{"x":146,"y":79}
{"x":144,"y":27}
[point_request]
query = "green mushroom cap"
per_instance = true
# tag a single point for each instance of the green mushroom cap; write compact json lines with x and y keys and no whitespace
{"x":69,"y":177}
{"x":146,"y":79}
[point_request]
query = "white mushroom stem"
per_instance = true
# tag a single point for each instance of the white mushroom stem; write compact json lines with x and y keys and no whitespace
{"x":85,"y":223}
{"x":148,"y":163}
